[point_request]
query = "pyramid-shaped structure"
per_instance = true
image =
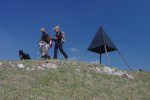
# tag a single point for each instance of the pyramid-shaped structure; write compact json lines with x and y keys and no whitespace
{"x":99,"y":42}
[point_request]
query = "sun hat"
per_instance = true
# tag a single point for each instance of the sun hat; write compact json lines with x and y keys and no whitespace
{"x":56,"y":28}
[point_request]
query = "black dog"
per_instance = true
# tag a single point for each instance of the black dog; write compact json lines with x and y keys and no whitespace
{"x":23,"y":55}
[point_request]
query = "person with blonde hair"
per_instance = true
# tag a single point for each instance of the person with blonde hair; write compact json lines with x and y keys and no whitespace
{"x":59,"y":40}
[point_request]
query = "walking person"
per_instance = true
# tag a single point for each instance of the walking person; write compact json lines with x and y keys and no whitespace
{"x":44,"y":44}
{"x":59,"y":40}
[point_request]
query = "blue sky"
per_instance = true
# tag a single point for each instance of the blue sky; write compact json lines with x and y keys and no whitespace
{"x":127,"y":22}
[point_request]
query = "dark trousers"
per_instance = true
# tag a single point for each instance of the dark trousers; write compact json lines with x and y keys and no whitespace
{"x":46,"y":56}
{"x":60,"y":47}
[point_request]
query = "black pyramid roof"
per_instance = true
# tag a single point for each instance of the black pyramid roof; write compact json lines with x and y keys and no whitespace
{"x":99,"y":41}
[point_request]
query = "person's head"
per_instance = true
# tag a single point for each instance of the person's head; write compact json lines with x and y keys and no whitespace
{"x":56,"y":28}
{"x":42,"y":30}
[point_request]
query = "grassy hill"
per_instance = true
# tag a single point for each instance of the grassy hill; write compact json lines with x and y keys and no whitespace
{"x":68,"y":80}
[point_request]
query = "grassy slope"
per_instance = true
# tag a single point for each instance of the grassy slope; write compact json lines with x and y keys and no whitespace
{"x":65,"y":83}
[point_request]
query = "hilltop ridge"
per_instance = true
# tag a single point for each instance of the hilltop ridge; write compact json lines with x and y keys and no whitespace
{"x":69,"y":80}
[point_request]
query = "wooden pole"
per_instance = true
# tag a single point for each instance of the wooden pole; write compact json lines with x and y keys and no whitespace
{"x":107,"y":55}
{"x":124,"y":60}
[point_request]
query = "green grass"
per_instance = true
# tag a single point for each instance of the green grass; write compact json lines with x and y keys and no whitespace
{"x":65,"y":83}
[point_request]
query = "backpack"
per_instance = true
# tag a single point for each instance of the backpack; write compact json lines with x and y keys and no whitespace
{"x":63,"y":37}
